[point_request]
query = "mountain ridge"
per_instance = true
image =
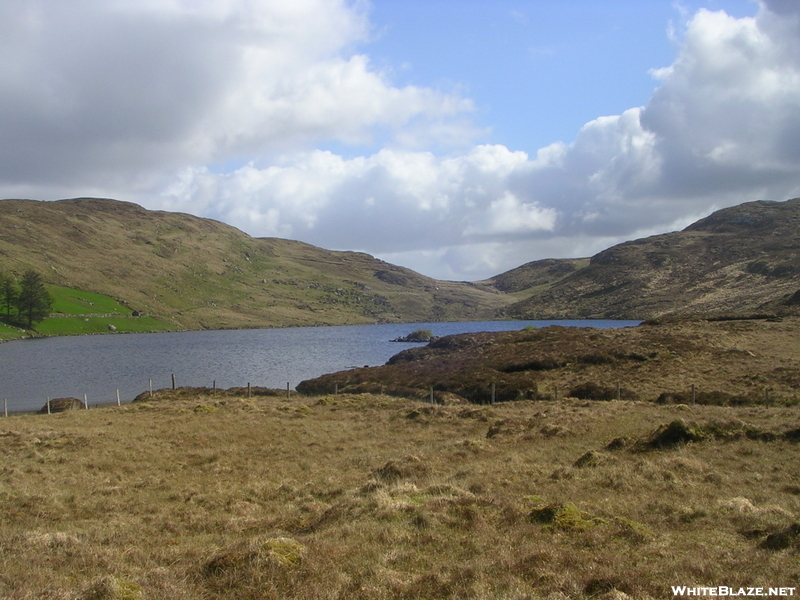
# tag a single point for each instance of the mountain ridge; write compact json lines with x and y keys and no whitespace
{"x":198,"y":273}
{"x":203,"y":274}
{"x":742,"y":258}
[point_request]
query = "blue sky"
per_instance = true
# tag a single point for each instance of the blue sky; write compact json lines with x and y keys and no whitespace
{"x":460,"y":138}
{"x":537,"y":70}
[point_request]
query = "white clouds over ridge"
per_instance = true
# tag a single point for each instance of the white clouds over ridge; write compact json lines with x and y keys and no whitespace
{"x":138,"y":100}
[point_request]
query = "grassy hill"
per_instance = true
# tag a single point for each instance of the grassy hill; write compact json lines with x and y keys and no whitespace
{"x":192,"y":273}
{"x":185,"y":272}
{"x":739,"y":259}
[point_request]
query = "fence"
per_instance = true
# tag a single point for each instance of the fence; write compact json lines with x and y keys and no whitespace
{"x":492,"y":393}
{"x":53,"y":405}
{"x":692,"y":396}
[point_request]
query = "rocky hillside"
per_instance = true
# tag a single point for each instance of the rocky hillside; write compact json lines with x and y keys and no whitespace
{"x":744,"y":258}
{"x":199,"y":273}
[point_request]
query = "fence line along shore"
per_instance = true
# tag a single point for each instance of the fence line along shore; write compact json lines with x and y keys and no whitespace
{"x":693,"y":396}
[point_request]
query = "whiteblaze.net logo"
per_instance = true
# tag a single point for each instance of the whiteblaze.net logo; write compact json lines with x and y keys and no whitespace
{"x":681,"y":591}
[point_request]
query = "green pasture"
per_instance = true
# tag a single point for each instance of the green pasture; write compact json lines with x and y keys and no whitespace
{"x":10,"y":333}
{"x":77,"y":312}
{"x":76,"y":325}
{"x":69,"y":301}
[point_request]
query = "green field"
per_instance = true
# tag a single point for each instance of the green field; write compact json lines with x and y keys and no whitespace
{"x":81,"y":325}
{"x":77,"y":312}
{"x":68,"y":301}
{"x":10,"y":333}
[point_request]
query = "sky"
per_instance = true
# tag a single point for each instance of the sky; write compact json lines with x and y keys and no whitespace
{"x":459,"y":138}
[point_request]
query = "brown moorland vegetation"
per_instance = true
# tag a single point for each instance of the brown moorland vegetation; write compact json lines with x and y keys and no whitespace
{"x":741,"y":258}
{"x":194,"y":496}
{"x":729,"y":360}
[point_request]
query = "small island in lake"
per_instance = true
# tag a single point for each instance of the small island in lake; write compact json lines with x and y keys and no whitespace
{"x":418,"y":336}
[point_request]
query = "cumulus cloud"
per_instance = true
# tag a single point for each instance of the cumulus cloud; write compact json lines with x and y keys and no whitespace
{"x":391,"y":201}
{"x":126,"y":91}
{"x":220,"y":109}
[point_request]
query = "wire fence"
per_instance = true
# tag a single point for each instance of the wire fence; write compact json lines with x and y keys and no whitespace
{"x":485,"y":393}
{"x":52,"y":405}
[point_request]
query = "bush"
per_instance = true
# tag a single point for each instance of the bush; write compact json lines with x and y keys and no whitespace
{"x":593,"y":391}
{"x":674,"y":434}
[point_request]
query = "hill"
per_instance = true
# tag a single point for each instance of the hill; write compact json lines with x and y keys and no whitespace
{"x":186,"y":272}
{"x":739,"y":259}
{"x":195,"y":273}
{"x":728,"y":361}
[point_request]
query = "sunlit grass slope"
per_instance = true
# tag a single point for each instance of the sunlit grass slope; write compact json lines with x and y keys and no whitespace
{"x":81,"y":312}
{"x":192,"y":496}
{"x":198,"y":273}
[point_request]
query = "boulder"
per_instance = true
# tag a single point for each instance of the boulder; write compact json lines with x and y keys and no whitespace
{"x":61,"y":404}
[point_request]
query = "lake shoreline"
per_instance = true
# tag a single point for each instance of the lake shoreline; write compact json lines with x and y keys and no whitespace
{"x":98,"y":365}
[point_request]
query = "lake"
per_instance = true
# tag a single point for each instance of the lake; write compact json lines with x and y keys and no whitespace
{"x":98,"y":365}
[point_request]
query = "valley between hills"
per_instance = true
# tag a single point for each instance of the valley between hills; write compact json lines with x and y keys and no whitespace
{"x":629,"y":462}
{"x":185,"y":272}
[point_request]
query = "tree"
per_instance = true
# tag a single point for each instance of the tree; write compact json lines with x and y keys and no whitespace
{"x":34,"y":302}
{"x":8,"y":293}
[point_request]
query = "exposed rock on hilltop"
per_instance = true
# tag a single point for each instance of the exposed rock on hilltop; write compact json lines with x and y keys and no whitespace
{"x":728,"y":361}
{"x":744,"y":258}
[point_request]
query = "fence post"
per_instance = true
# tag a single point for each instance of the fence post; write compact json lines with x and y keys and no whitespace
{"x":766,"y":396}
{"x":215,"y":388}
{"x":248,"y":389}
{"x":494,"y":392}
{"x":150,"y":386}
{"x":432,"y":398}
{"x":85,"y":402}
{"x":173,"y":381}
{"x":288,"y":395}
{"x":5,"y":406}
{"x":48,"y":405}
{"x":694,"y":395}
{"x":118,"y":402}
{"x":335,"y":389}
{"x":555,"y":393}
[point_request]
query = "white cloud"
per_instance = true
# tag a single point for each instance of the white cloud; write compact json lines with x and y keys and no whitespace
{"x":507,"y":215}
{"x":145,"y":100}
{"x":121,"y":92}
{"x":722,"y":128}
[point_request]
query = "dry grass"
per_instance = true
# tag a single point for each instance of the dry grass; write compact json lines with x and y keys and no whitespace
{"x":371,"y":497}
{"x":746,"y":361}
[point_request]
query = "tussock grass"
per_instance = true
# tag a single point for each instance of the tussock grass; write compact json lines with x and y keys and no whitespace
{"x":194,"y":496}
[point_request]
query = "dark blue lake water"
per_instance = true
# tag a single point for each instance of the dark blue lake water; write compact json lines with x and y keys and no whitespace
{"x":98,"y":365}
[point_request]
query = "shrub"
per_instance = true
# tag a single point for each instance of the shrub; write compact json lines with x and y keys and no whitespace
{"x":564,"y":516}
{"x":594,"y":391}
{"x":546,"y":364}
{"x":673,"y":434}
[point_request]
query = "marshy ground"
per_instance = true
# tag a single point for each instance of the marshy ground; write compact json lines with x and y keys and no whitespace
{"x":191,"y":496}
